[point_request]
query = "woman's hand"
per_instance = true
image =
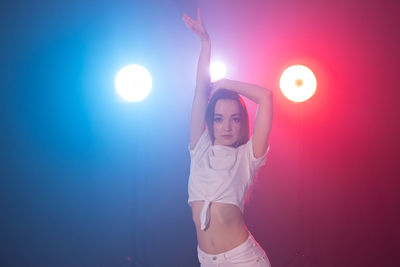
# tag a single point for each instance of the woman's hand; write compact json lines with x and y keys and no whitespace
{"x":215,"y":86}
{"x":197,"y":27}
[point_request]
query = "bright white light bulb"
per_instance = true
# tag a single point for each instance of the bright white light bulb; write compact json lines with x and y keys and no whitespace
{"x":298,"y":83}
{"x":217,"y":70}
{"x":133,"y":83}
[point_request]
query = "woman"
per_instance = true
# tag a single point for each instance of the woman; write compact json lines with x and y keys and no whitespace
{"x":224,"y":161}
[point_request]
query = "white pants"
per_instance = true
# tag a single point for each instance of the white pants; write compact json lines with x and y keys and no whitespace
{"x":247,"y":254}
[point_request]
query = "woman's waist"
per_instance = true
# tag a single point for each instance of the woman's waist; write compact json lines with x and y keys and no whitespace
{"x":221,"y":213}
{"x":218,"y":239}
{"x":226,"y":228}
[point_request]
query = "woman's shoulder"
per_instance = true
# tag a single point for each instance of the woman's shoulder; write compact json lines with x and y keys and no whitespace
{"x":203,"y":143}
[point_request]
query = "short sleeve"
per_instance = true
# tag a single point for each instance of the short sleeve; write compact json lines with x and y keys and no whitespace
{"x":256,"y":163}
{"x":202,"y":144}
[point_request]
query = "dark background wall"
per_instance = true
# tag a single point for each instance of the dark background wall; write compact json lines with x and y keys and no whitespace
{"x":89,"y":180}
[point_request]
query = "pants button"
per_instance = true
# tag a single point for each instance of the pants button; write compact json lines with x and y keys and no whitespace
{"x":214,"y":258}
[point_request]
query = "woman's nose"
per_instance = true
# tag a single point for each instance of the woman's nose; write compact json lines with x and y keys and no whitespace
{"x":228,"y":125}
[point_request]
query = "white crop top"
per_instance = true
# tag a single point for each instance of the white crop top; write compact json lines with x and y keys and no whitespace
{"x":221,"y":174}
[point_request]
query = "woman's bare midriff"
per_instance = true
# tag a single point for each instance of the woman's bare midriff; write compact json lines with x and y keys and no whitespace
{"x":226,"y":230}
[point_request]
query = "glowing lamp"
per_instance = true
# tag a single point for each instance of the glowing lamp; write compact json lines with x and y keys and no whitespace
{"x":217,"y":70}
{"x":298,"y":83}
{"x":133,"y":83}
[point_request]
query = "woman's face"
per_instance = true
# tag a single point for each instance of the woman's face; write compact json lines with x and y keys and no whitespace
{"x":227,"y":122}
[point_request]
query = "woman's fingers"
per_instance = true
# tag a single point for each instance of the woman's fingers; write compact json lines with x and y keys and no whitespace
{"x":215,"y":86}
{"x":186,"y":17}
{"x":199,"y":16}
{"x":189,"y":21}
{"x":190,"y":24}
{"x":192,"y":21}
{"x":196,"y":26}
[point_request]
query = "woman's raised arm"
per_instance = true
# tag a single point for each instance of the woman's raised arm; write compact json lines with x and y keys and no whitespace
{"x":200,"y":101}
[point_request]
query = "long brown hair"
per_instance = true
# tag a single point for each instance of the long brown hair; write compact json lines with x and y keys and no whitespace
{"x":244,"y":116}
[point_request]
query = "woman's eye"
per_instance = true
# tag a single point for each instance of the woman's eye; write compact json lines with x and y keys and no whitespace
{"x":217,"y":119}
{"x":237,"y":120}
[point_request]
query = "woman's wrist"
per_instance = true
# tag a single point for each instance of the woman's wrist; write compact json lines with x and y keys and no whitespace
{"x":205,"y":42}
{"x":227,"y":84}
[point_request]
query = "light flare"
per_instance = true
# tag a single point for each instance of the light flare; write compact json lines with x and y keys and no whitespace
{"x":133,"y":83}
{"x":298,"y":83}
{"x":217,"y":70}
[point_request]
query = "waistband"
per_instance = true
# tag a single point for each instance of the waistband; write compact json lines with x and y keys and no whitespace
{"x":228,"y":254}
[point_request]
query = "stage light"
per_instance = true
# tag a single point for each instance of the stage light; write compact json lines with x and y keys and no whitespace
{"x":133,"y":83}
{"x":217,"y":70}
{"x":298,"y":83}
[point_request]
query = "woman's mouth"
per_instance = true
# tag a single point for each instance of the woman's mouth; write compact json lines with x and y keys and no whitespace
{"x":227,"y":136}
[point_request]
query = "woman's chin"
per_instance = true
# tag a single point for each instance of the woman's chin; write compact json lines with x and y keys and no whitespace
{"x":226,"y":142}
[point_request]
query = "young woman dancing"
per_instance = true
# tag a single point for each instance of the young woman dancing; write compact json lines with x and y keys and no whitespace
{"x":224,"y":161}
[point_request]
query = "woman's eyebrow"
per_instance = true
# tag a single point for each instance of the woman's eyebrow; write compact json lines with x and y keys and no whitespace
{"x":221,"y":115}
